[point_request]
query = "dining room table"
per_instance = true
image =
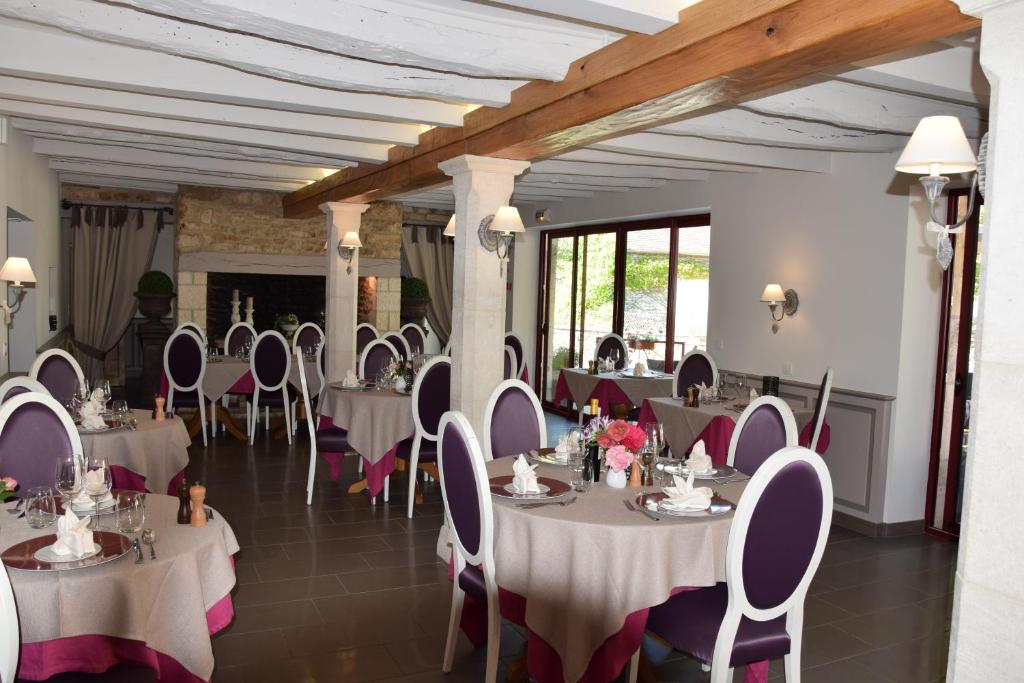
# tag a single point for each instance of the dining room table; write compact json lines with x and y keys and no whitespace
{"x":576,"y":385}
{"x":159,"y":613}
{"x":581,"y":577}
{"x":150,"y":457}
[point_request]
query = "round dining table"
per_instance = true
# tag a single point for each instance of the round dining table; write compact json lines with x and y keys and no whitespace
{"x":159,"y":613}
{"x":581,"y":577}
{"x":151,"y":458}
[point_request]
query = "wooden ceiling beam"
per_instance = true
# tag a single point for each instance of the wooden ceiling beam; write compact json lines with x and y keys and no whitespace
{"x":720,"y":52}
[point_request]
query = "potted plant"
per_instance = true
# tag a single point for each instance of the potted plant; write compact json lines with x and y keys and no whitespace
{"x":154,"y":292}
{"x":287,"y":323}
{"x":415,"y":299}
{"x":643,"y":341}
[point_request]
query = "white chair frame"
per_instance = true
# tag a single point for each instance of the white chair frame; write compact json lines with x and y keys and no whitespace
{"x":492,"y":402}
{"x":33,"y":372}
{"x":355,"y":335}
{"x":817,"y":425}
{"x":299,"y":358}
{"x":320,"y":366}
{"x":447,"y":350}
{"x":26,"y":382}
{"x":225,"y":398}
{"x":521,"y":361}
{"x":198,"y":386}
{"x":231,"y":332}
{"x":405,"y":344}
{"x":622,"y":344}
{"x":510,"y":353}
{"x":282,"y":387}
{"x":8,"y":408}
{"x":309,"y":423}
{"x":679,"y":367}
{"x":375,"y":342}
{"x":295,"y":337}
{"x":793,"y":607}
{"x":484,"y":557}
{"x":192,"y":327}
{"x":792,"y":435}
{"x":419,"y":328}
{"x":10,"y":630}
{"x":420,"y":434}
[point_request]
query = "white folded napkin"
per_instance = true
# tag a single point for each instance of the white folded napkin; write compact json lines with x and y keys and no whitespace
{"x":73,"y":535}
{"x":753,"y":394}
{"x":94,"y":484}
{"x":699,"y":461}
{"x":684,"y":497}
{"x":92,"y":414}
{"x":565,"y":447}
{"x":350,"y":379}
{"x":639,"y":370}
{"x":524,"y":479}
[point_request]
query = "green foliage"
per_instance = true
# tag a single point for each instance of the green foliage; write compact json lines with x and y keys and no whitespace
{"x":414,"y":288}
{"x":286,"y":319}
{"x":560,"y":359}
{"x":155,"y":282}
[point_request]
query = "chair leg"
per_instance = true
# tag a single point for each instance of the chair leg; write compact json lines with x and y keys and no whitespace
{"x":414,"y":459}
{"x":387,"y":488}
{"x":202,"y":418}
{"x":266,"y":418}
{"x":213,"y":418}
{"x":633,"y":666}
{"x":224,"y":401}
{"x":458,"y":597}
{"x":312,"y":472}
{"x":359,"y":466}
{"x":248,"y":417}
{"x":493,"y":637}
{"x":289,"y":415}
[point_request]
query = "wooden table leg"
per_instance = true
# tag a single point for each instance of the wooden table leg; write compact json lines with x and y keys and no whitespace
{"x":224,"y":417}
{"x":517,"y":671}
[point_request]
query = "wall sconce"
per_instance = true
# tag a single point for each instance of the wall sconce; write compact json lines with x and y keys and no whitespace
{"x":17,"y":272}
{"x":939,"y":146}
{"x":496,"y":232}
{"x":543,"y":215}
{"x":449,"y":230}
{"x":347,"y":246}
{"x":774,"y":296}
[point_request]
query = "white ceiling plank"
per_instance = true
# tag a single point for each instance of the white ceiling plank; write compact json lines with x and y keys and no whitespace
{"x":412,"y":201}
{"x":180,"y":177}
{"x":108,"y":181}
{"x":716,"y":150}
{"x":492,"y":41}
{"x":127,"y":155}
{"x":125,"y":26}
{"x":547,"y":192}
{"x":547,"y":187}
{"x":591,"y":155}
{"x":533,"y":177}
{"x":126,"y":68}
{"x":605,"y":170}
{"x":63,"y":94}
{"x":347,"y":149}
{"x":739,"y":125}
{"x":638,"y":16}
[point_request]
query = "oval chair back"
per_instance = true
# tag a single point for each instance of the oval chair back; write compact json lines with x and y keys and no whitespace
{"x":38,"y":420}
{"x":10,"y":629}
{"x":467,"y":503}
{"x":447,"y":350}
{"x":513,"y":421}
{"x":509,"y":370}
{"x":270,"y":363}
{"x":819,"y":409}
{"x":193,"y":327}
{"x":414,"y":336}
{"x":185,"y":368}
{"x":696,"y":367}
{"x":59,"y":372}
{"x":20,"y":385}
{"x":365,"y":333}
{"x":237,"y":337}
{"x":431,"y":397}
{"x":766,"y":426}
{"x":310,"y":421}
{"x":401,"y":346}
{"x":512,"y":339}
{"x":308,"y":335}
{"x":377,"y":355}
{"x":610,"y":342}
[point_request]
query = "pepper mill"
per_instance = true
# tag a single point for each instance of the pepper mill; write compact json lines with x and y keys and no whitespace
{"x":184,"y":505}
{"x":198,"y":494}
{"x":158,"y":412}
{"x":635,"y":476}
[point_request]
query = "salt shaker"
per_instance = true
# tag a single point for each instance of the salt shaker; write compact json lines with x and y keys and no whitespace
{"x":198,"y":494}
{"x":184,"y":505}
{"x":158,"y":412}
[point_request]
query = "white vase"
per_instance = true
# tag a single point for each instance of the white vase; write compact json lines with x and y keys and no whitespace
{"x":616,"y":478}
{"x":400,"y":384}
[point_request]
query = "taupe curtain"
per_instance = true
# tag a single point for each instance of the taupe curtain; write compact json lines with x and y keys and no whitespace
{"x":430,"y":256}
{"x":112,"y":247}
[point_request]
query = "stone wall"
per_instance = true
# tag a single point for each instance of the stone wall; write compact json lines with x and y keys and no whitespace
{"x":88,"y":193}
{"x":424,"y":216}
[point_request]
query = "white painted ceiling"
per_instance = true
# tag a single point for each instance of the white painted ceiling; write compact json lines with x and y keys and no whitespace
{"x":274,"y":94}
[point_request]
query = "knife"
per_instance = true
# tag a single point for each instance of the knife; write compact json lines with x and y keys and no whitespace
{"x":138,"y":551}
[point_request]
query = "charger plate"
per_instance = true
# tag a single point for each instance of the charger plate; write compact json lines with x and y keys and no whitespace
{"x":556,"y":488}
{"x":719,"y":506}
{"x":22,"y":555}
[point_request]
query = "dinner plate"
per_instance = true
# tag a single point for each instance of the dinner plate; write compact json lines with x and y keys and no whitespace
{"x":646,"y":375}
{"x":46,"y":554}
{"x":93,"y":430}
{"x":105,"y":503}
{"x":719,"y":506}
{"x":501,"y":487}
{"x":547,"y":456}
{"x":718,"y":472}
{"x":542,"y":490}
{"x":23,"y":555}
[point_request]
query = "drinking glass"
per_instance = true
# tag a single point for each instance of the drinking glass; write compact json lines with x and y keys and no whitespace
{"x":131,"y":512}
{"x":100,"y":485}
{"x":69,"y":477}
{"x":83,"y":393}
{"x":40,"y":508}
{"x":741,"y":387}
{"x":576,"y":468}
{"x":119,"y":411}
{"x":102,"y":391}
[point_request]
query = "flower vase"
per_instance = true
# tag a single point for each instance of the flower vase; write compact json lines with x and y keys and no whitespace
{"x":400,"y":384}
{"x":616,"y":479}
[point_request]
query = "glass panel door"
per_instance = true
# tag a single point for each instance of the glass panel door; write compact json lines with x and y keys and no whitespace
{"x":645,"y":311}
{"x":561,"y":310}
{"x":596,"y":292}
{"x":693,"y":273}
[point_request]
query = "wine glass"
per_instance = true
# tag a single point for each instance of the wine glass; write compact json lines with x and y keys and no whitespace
{"x":102,"y":391}
{"x":119,"y":411}
{"x":131,"y":512}
{"x":741,"y":387}
{"x":69,"y":477}
{"x":83,"y":393}
{"x":98,"y":485}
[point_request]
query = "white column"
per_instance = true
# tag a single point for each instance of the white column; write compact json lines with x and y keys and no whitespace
{"x":342,"y":299}
{"x":482,"y":185}
{"x":988,"y":606}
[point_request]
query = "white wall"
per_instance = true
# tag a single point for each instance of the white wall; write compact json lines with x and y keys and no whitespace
{"x":525,"y":283}
{"x":28,"y":186}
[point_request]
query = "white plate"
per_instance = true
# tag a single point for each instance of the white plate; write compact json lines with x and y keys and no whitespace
{"x":549,"y":458}
{"x":646,"y":375}
{"x":92,"y":430}
{"x":89,"y":507}
{"x":47,"y":555}
{"x":713,"y":510}
{"x":543,"y":490}
{"x":709,"y":474}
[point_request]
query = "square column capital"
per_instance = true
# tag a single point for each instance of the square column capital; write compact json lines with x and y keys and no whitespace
{"x":470,"y":163}
{"x":345,"y":209}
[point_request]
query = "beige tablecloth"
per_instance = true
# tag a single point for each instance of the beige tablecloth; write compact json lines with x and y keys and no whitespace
{"x":222,"y":375}
{"x":156,"y":450}
{"x":162,"y":602}
{"x":582,"y":384}
{"x":375,"y":420}
{"x":584,"y":568}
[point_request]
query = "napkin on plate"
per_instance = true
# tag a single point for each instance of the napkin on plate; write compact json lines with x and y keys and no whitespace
{"x":753,"y":394}
{"x":566,"y":446}
{"x":73,"y":535}
{"x":92,"y":414}
{"x":639,"y":370}
{"x":94,"y":483}
{"x":350,"y":379}
{"x":699,"y":461}
{"x":524,"y":479}
{"x":683,"y":496}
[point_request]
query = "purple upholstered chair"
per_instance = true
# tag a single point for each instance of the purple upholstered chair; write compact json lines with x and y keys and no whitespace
{"x":431,"y":395}
{"x":612,"y":342}
{"x":237,"y":337}
{"x":20,"y":385}
{"x":696,"y":367}
{"x":764,"y":427}
{"x":35,"y":431}
{"x":776,"y":541}
{"x":185,"y":367}
{"x":200,"y":332}
{"x":401,"y":346}
{"x":326,"y":439}
{"x":270,"y":362}
{"x":308,"y":334}
{"x":59,"y":372}
{"x":377,"y":355}
{"x":365,"y":333}
{"x":509,"y":370}
{"x":513,"y":340}
{"x":467,"y":502}
{"x":414,"y":336}
{"x":513,"y":421}
{"x":819,"y":409}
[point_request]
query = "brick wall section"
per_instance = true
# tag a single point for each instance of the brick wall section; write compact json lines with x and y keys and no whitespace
{"x":88,"y":193}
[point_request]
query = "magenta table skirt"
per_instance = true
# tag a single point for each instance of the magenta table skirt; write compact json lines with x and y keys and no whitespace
{"x":606,"y":392}
{"x":375,"y":473}
{"x":126,"y":480}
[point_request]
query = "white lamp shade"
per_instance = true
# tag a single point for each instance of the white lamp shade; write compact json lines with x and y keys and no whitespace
{"x":17,"y":270}
{"x":772,"y":294}
{"x":449,"y":230}
{"x":937,"y":146}
{"x":351,"y":240}
{"x":507,"y":219}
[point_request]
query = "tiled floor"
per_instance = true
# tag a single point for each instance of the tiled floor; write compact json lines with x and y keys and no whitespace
{"x":346,"y":591}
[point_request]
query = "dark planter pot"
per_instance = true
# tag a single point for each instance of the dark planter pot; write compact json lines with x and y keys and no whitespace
{"x":154,"y":306}
{"x":414,"y":310}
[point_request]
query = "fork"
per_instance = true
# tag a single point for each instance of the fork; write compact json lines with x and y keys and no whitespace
{"x":560,"y":503}
{"x":644,"y":511}
{"x":17,"y":508}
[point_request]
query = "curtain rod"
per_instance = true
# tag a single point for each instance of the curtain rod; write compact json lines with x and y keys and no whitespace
{"x":66,"y":204}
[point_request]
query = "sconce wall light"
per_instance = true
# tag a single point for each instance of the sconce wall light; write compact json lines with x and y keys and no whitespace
{"x":497,"y":231}
{"x":347,"y":246}
{"x":449,"y":230}
{"x":777,"y":299}
{"x":17,"y":271}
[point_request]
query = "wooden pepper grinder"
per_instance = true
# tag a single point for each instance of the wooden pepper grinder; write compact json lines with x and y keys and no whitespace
{"x":198,"y":494}
{"x":184,"y":505}
{"x":158,"y":412}
{"x":636,"y":479}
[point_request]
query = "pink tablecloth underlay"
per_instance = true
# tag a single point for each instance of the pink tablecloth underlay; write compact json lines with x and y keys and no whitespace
{"x":124,"y":479}
{"x":375,"y":473}
{"x":606,"y":392}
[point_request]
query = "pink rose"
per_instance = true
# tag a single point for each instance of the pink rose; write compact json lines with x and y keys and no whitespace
{"x":634,"y":439}
{"x":10,"y":482}
{"x":617,"y":430}
{"x":618,"y":458}
{"x":604,"y":441}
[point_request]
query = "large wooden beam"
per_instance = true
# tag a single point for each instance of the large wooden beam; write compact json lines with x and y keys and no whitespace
{"x":719,"y":53}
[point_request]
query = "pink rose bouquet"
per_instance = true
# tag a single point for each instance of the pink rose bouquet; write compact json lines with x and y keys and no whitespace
{"x":7,"y":486}
{"x":620,"y":440}
{"x":618,"y":458}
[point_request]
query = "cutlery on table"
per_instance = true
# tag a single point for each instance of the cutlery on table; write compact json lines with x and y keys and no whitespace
{"x":149,"y":538}
{"x":644,"y":511}
{"x":560,"y":503}
{"x":138,"y":551}
{"x":17,"y":508}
